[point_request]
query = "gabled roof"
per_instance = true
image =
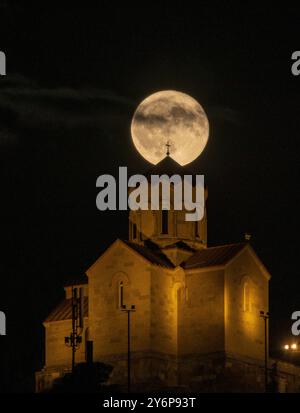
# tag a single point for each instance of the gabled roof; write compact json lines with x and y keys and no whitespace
{"x":152,"y":254}
{"x":180,"y":245}
{"x":213,"y":256}
{"x":64,"y":310}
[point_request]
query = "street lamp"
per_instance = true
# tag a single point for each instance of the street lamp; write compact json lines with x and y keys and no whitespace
{"x":292,"y":347}
{"x":74,"y":339}
{"x":292,"y":351}
{"x":128,"y":311}
{"x":265,"y":316}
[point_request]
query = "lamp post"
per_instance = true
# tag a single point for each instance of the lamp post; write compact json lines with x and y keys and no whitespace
{"x":128,"y":311}
{"x":74,"y":339}
{"x":265,"y":316}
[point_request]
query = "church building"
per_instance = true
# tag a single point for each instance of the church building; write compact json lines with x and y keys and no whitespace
{"x":196,"y":324}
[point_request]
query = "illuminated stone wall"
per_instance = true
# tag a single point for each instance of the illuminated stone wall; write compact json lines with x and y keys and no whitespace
{"x":201,"y":313}
{"x":108,"y":324}
{"x":154,"y":325}
{"x":194,"y":316}
{"x":243,"y":326}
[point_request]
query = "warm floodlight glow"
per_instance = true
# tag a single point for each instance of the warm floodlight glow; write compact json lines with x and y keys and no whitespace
{"x":170,"y":117}
{"x":286,"y":347}
{"x":294,"y":346}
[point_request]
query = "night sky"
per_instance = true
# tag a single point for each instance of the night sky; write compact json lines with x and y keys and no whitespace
{"x":74,"y":78}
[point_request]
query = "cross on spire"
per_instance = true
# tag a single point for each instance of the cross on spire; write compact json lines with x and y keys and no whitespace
{"x":168,"y":148}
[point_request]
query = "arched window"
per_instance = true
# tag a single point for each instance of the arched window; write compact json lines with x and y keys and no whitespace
{"x":121,"y":294}
{"x":196,"y":228}
{"x":246,"y":293}
{"x":119,"y":285}
{"x":134,"y":231}
{"x":164,"y":221}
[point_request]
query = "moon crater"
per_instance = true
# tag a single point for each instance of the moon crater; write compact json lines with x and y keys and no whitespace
{"x":170,"y":117}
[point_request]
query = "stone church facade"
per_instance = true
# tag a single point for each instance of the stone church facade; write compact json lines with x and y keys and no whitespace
{"x":197,"y":324}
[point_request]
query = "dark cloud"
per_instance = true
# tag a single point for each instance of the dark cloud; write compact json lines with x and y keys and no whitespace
{"x":174,"y":111}
{"x":24,"y":103}
{"x":152,"y":119}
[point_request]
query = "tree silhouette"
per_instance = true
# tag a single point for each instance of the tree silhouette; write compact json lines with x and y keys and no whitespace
{"x":86,"y":378}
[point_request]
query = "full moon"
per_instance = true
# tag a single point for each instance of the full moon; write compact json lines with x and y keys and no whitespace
{"x":170,"y":118}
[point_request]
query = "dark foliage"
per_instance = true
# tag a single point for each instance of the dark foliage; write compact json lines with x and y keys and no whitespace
{"x":86,"y":378}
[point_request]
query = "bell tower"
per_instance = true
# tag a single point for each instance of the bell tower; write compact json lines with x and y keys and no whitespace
{"x":168,"y":229}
